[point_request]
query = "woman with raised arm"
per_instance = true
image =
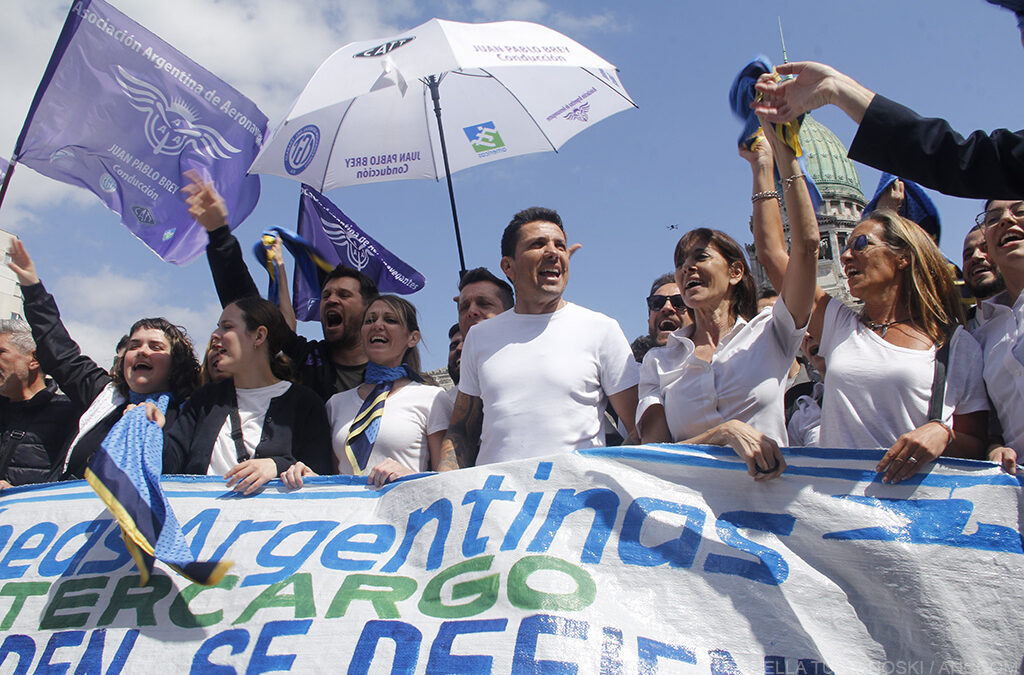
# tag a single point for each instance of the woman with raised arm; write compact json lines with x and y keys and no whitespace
{"x":732,"y":364}
{"x":882,"y":362}
{"x":254,"y":424}
{"x":158,"y":359}
{"x":392,"y":425}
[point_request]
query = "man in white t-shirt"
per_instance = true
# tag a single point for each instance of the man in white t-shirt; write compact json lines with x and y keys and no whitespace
{"x":535,"y":380}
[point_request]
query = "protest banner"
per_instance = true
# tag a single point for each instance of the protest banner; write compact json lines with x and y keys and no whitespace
{"x":614,"y":560}
{"x":123,"y":114}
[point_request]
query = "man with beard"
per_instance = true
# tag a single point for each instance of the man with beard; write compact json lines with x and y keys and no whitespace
{"x":336,"y":363}
{"x":35,"y":419}
{"x":981,"y":277}
{"x":454,"y":352}
{"x":666,"y":313}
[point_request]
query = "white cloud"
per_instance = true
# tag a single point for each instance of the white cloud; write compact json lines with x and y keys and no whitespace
{"x":264,"y":48}
{"x":99,"y":308}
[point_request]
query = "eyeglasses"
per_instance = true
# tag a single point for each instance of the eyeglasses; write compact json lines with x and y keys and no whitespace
{"x":656,"y":302}
{"x":858,"y":244}
{"x":992,"y":216}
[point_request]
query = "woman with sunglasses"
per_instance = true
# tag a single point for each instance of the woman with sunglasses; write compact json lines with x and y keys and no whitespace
{"x":732,"y":363}
{"x":392,"y":425}
{"x":882,"y":362}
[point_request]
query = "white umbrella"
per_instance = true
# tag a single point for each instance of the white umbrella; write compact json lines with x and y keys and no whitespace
{"x":508,"y":88}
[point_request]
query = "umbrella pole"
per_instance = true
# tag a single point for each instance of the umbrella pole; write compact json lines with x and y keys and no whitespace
{"x":435,"y":96}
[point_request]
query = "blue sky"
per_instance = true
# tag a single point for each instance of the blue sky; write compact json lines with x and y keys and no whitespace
{"x":619,"y":186}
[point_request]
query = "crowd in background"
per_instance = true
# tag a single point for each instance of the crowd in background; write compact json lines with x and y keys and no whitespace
{"x":921,"y":370}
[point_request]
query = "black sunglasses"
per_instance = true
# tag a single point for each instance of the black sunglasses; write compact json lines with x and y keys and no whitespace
{"x":656,"y":302}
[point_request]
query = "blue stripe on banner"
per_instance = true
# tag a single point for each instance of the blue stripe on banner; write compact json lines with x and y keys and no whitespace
{"x":680,"y":455}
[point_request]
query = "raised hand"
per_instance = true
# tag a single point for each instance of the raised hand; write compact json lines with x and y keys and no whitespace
{"x":21,"y":264}
{"x":204,"y":202}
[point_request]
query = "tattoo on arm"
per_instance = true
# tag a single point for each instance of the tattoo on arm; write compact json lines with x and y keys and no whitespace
{"x":462,"y":442}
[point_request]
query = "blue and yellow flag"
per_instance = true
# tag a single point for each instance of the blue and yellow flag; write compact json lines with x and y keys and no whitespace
{"x":125,"y":473}
{"x":742,"y":94}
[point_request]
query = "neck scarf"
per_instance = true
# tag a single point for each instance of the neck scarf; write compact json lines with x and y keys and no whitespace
{"x":362,"y":434}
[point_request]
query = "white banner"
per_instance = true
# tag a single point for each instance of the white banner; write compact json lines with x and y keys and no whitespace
{"x":622,"y":560}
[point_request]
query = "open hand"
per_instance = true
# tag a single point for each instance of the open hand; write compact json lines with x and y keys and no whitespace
{"x":204,"y":202}
{"x":251,"y":475}
{"x":21,"y":264}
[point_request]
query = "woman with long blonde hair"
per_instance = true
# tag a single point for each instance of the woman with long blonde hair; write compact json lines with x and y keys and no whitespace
{"x":903,"y":374}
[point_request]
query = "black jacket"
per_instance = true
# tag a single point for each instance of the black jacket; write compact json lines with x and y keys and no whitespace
{"x":311,"y":358}
{"x":33,"y":435}
{"x":295,"y":429}
{"x":894,"y":138}
{"x":77,"y":375}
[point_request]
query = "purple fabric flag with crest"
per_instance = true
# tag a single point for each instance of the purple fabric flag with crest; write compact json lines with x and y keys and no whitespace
{"x":3,"y":168}
{"x":340,"y":241}
{"x":123,"y":114}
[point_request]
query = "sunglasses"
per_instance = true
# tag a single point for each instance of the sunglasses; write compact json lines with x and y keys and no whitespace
{"x":858,"y":243}
{"x":656,"y":302}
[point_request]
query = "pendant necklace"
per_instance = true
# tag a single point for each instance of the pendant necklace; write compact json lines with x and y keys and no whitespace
{"x":884,"y":327}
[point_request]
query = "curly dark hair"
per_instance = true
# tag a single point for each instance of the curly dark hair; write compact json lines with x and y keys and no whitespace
{"x":184,"y":365}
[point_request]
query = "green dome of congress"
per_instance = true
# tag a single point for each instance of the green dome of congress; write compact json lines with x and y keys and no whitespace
{"x":826,"y":160}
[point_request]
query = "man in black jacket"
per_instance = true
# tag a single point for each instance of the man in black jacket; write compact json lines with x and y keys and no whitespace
{"x":327,"y":366}
{"x":35,"y":420}
{"x":893,"y":138}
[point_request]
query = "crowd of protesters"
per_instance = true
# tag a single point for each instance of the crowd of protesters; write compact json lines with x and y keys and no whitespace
{"x":910,"y":373}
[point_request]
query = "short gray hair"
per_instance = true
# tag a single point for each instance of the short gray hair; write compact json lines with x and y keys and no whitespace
{"x":20,"y":332}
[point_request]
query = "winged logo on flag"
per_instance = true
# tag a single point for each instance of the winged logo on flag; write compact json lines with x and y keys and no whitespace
{"x":171,"y":126}
{"x":579,"y":113}
{"x":355,"y":250}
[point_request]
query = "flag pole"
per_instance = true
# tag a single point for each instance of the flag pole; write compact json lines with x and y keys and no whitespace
{"x":433,"y":83}
{"x":782,"y":37}
{"x":7,"y":180}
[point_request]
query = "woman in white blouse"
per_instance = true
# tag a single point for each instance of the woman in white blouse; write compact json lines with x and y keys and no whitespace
{"x":732,"y":363}
{"x":882,"y":362}
{"x":408,"y":436}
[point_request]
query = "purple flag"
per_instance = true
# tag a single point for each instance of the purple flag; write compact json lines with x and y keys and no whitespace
{"x":3,"y":168}
{"x":340,"y":241}
{"x":123,"y":114}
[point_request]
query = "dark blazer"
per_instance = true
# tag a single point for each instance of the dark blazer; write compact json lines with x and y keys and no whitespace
{"x":894,"y":138}
{"x":295,"y":429}
{"x":311,"y":358}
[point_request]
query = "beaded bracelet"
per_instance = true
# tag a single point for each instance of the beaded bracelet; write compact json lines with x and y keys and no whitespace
{"x":768,"y":194}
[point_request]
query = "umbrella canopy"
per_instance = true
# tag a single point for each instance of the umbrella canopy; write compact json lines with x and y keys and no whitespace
{"x":507,"y":88}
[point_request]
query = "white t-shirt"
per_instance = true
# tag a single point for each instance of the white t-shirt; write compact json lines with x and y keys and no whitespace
{"x":410,"y":415}
{"x":804,"y":425}
{"x":875,"y":391}
{"x":745,"y":380}
{"x":544,"y":380}
{"x":252,"y":409}
{"x":1000,"y":333}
